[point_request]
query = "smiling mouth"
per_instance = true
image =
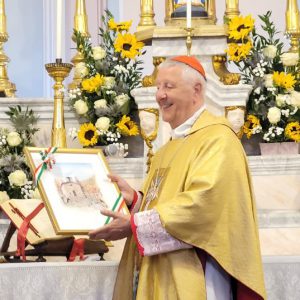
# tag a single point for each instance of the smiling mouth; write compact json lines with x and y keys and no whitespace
{"x":166,"y":106}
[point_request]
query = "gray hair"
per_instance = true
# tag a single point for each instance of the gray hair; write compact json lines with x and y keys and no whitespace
{"x":188,"y":73}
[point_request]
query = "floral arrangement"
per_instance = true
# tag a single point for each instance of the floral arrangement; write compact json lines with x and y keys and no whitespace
{"x":109,"y":72}
{"x":274,"y":103}
{"x":15,"y":176}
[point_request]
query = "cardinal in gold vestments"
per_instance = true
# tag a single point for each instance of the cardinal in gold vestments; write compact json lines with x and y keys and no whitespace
{"x":197,"y":205}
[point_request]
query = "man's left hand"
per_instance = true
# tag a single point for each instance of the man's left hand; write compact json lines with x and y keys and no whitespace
{"x":117,"y":229}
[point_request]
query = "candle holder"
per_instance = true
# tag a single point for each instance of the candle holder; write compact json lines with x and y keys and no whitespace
{"x":58,"y":71}
{"x":189,"y":41}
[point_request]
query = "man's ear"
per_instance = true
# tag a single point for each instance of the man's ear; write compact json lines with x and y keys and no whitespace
{"x":198,"y":89}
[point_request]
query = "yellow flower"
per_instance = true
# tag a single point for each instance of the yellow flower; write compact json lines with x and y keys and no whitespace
{"x":252,"y":122}
{"x":88,"y":135}
{"x":93,"y":84}
{"x":239,"y":27}
{"x":119,"y":26}
{"x":292,"y":131}
{"x":283,"y":80}
{"x":128,"y":45}
{"x":238,"y":52}
{"x":127,"y":126}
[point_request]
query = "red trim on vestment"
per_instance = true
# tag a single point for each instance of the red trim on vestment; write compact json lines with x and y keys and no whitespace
{"x":135,"y":199}
{"x":77,"y":249}
{"x":245,"y":293}
{"x":133,"y":228}
{"x":22,"y":232}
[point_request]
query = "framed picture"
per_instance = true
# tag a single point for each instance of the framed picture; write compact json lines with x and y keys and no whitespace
{"x":74,"y":187}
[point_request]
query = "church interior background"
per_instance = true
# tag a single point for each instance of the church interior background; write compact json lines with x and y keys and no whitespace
{"x":32,"y":43}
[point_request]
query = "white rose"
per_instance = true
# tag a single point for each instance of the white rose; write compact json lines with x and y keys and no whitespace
{"x":274,"y":115}
{"x":109,"y":82}
{"x":3,"y":196}
{"x":80,"y":107}
{"x":281,"y":99}
{"x":289,"y":59}
{"x":13,"y":139}
{"x":17,"y":178}
{"x":122,"y":99}
{"x":103,"y":123}
{"x":36,"y":194}
{"x":98,"y":53}
{"x":268,"y":79}
{"x":295,"y":99}
{"x":100,"y":104}
{"x":81,"y":70}
{"x":270,"y":51}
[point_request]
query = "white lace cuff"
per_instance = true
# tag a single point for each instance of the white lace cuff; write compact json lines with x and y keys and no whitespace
{"x":151,"y":236}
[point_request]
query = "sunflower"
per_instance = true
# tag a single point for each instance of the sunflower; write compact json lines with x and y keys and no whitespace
{"x":128,"y":45}
{"x":251,"y":125}
{"x":292,"y":131}
{"x":127,"y":126}
{"x":93,"y":84}
{"x":119,"y":26}
{"x":286,"y":81}
{"x":238,"y":52}
{"x":88,"y":135}
{"x":239,"y":27}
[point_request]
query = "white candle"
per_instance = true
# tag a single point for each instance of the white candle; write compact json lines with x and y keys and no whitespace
{"x":58,"y":27}
{"x":188,"y":13}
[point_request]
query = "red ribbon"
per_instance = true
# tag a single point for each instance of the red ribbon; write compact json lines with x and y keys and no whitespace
{"x":77,"y":249}
{"x":22,"y":233}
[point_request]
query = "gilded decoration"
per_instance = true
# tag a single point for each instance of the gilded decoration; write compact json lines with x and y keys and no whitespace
{"x":149,"y":80}
{"x":203,"y":12}
{"x":149,"y":122}
{"x":219,"y":66}
{"x":236,"y":117}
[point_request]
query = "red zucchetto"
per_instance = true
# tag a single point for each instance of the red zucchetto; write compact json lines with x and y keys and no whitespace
{"x":191,"y":61}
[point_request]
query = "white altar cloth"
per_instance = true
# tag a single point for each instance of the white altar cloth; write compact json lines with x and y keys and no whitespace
{"x":86,"y":280}
{"x":94,"y":280}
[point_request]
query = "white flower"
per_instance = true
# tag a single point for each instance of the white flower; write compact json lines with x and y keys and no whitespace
{"x":81,"y":107}
{"x":274,"y":115}
{"x":98,"y":53}
{"x":109,"y":82}
{"x":257,"y":90}
{"x":270,"y":51}
{"x":13,"y":139}
{"x":100,"y":104}
{"x":81,"y":70}
{"x":17,"y":178}
{"x":3,"y":196}
{"x":295,"y":99}
{"x":103,"y":123}
{"x":268,"y":79}
{"x":122,"y":99}
{"x":281,"y":99}
{"x":36,"y":194}
{"x":289,"y":59}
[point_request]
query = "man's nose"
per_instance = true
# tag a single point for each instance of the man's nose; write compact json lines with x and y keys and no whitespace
{"x":161,"y":94}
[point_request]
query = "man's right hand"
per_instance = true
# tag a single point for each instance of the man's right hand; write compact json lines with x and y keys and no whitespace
{"x":126,"y":190}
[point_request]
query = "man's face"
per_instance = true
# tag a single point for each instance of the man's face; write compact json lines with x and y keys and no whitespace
{"x":175,"y":96}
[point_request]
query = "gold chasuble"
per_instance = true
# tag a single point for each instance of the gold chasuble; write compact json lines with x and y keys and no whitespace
{"x":201,"y":188}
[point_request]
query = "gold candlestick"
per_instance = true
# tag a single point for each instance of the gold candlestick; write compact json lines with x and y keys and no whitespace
{"x":6,"y":87}
{"x":58,"y":71}
{"x":81,"y":25}
{"x":292,"y":24}
{"x":188,"y":40}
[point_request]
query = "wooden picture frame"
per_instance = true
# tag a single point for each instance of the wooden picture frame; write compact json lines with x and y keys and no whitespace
{"x":76,"y":188}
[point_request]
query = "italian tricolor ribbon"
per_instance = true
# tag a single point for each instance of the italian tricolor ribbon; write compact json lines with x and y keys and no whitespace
{"x":47,"y":163}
